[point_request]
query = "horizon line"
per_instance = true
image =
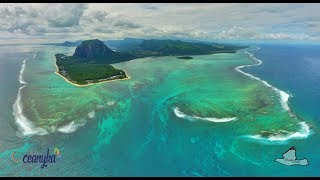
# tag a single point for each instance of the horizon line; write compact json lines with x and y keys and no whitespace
{"x":269,"y":41}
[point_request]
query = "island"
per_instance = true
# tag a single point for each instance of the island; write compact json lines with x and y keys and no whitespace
{"x":184,"y":57}
{"x":91,"y":60}
{"x":66,"y":43}
{"x":90,"y":64}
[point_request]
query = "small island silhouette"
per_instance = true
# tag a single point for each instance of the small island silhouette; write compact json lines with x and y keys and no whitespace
{"x":290,"y":159}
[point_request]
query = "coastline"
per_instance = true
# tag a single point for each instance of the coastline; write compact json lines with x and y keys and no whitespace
{"x":305,"y":130}
{"x":89,"y":84}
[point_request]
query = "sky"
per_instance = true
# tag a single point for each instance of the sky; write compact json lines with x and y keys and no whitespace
{"x":50,"y":23}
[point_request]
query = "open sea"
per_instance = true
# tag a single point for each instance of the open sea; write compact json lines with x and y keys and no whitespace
{"x":213,"y":115}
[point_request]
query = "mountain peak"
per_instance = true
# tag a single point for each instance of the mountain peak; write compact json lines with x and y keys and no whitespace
{"x":92,"y":49}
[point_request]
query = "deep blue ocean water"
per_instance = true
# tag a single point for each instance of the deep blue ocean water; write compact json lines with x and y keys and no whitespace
{"x":294,"y":68}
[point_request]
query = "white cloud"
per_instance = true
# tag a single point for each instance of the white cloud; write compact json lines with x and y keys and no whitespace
{"x":60,"y":22}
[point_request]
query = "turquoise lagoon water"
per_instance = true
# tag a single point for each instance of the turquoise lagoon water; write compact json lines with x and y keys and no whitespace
{"x":201,"y":117}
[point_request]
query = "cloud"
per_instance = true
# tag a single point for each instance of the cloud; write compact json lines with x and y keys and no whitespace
{"x":126,"y":24}
{"x":65,"y":15}
{"x":21,"y":25}
{"x":103,"y":30}
{"x":150,"y":6}
{"x":203,"y":21}
{"x":35,"y":20}
{"x":284,"y":36}
{"x":100,"y":15}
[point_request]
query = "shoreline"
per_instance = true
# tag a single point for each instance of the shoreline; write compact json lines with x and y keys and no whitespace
{"x":89,"y":84}
{"x":284,"y":103}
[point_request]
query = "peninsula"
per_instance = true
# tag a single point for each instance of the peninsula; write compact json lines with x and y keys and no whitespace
{"x":91,"y":60}
{"x":90,"y":63}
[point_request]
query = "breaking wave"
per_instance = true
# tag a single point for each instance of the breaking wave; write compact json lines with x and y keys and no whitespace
{"x":34,"y":55}
{"x":284,"y":97}
{"x":305,"y":130}
{"x":303,"y":133}
{"x":91,"y":114}
{"x":71,"y":127}
{"x":111,"y":103}
{"x":25,"y":126}
{"x":193,"y":118}
{"x":23,"y":67}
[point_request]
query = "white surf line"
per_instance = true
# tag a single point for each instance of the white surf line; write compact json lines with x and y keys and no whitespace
{"x":303,"y":133}
{"x":25,"y":126}
{"x":23,"y":67}
{"x":34,"y":54}
{"x":284,"y":97}
{"x":180,"y":114}
{"x":71,"y":127}
{"x":91,"y":114}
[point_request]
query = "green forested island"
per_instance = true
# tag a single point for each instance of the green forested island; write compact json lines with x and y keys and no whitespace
{"x":91,"y":60}
{"x":90,"y":63}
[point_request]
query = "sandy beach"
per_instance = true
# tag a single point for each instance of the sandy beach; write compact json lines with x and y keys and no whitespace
{"x":78,"y":85}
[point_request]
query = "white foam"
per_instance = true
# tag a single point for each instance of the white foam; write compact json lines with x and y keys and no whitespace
{"x":91,"y":114}
{"x":303,"y":133}
{"x":21,"y":80}
{"x":284,"y":97}
{"x":25,"y":126}
{"x":111,"y":103}
{"x":34,"y":55}
{"x":180,"y":114}
{"x":99,"y":106}
{"x":71,"y":127}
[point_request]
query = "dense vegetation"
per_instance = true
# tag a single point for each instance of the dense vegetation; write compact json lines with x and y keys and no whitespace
{"x":91,"y":59}
{"x":97,"y":52}
{"x":156,"y":47}
{"x":124,"y":45}
{"x":81,"y":72}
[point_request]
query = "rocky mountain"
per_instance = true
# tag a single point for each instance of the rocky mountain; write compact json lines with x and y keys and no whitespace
{"x":92,"y":49}
{"x":96,"y":50}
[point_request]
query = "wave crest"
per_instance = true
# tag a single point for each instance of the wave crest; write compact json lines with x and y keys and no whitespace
{"x":304,"y":132}
{"x":284,"y":97}
{"x":34,"y":54}
{"x":71,"y":127}
{"x":111,"y":103}
{"x":25,"y":126}
{"x":23,"y":67}
{"x":91,"y":114}
{"x":193,"y":118}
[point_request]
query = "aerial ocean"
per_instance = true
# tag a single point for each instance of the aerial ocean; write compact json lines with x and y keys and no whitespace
{"x":213,"y":115}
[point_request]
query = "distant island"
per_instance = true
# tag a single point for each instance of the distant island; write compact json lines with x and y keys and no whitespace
{"x":91,"y":60}
{"x":185,"y":57}
{"x":66,"y":43}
